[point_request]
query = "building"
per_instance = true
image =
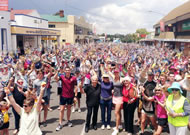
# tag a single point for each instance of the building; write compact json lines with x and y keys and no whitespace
{"x":5,"y":32}
{"x":149,"y":39}
{"x":29,"y":30}
{"x":174,"y":29}
{"x":73,"y":29}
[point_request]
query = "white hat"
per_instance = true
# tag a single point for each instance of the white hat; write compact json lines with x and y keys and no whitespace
{"x":105,"y":76}
{"x":127,"y":78}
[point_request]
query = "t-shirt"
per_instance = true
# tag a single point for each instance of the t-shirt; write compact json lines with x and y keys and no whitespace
{"x":37,"y":85}
{"x":92,"y":94}
{"x":118,"y":87}
{"x":68,"y":85}
{"x":148,"y":106}
{"x":29,"y":122}
{"x":161,"y":112}
{"x":106,"y":89}
{"x":78,"y":82}
{"x":5,"y":115}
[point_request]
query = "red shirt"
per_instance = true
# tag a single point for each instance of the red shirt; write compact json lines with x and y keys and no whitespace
{"x":126,"y":93}
{"x":68,"y":85}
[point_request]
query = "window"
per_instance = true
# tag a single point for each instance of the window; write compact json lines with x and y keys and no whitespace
{"x":4,"y":39}
{"x":51,"y":26}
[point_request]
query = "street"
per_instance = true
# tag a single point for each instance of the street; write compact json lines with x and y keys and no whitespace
{"x":78,"y":120}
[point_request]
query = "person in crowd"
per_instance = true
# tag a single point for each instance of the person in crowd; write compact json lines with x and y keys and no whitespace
{"x":77,"y":91}
{"x":92,"y":91}
{"x":46,"y":72}
{"x":106,"y":101}
{"x":29,"y":114}
{"x":148,"y":106}
{"x":68,"y":85}
{"x":41,"y":77}
{"x":4,"y":107}
{"x":117,"y":98}
{"x":129,"y":104}
{"x":178,"y":109}
{"x":161,"y":113}
{"x":59,"y":83}
{"x":19,"y":94}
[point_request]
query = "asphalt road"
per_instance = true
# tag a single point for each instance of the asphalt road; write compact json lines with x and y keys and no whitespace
{"x":78,"y":120}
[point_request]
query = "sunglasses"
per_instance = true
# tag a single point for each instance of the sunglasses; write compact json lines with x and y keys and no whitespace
{"x":25,"y":106}
{"x":175,"y":89}
{"x":157,"y":90}
{"x":20,"y":82}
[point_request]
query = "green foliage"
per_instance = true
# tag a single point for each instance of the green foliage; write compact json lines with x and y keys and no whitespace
{"x":128,"y":38}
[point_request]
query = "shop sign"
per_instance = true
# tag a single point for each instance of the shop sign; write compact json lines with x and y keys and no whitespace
{"x":34,"y":31}
{"x":162,"y":26}
{"x":48,"y":38}
{"x":186,"y":25}
{"x":4,"y":5}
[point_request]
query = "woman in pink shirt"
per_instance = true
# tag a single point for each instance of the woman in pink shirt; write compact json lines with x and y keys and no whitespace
{"x":161,"y":113}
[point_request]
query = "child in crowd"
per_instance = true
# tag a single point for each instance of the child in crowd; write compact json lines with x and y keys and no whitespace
{"x":77,"y":91}
{"x":4,"y":106}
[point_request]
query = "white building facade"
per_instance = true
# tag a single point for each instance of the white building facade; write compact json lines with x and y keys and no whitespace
{"x":29,"y":31}
{"x":5,"y":32}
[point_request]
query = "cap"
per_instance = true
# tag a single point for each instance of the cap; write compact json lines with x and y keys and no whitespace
{"x":150,"y":73}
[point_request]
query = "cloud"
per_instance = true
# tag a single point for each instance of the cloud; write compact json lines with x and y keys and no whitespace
{"x":126,"y":18}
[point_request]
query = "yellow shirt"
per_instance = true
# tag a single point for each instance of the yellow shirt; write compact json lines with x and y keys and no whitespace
{"x":5,"y":115}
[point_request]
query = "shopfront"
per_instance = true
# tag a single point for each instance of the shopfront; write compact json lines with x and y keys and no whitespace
{"x":24,"y":38}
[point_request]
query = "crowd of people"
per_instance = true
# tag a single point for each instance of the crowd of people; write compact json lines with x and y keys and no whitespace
{"x":124,"y":77}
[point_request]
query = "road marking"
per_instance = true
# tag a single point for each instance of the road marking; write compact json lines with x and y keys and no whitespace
{"x":82,"y":132}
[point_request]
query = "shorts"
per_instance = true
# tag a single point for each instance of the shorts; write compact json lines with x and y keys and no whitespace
{"x":148,"y":114}
{"x":78,"y":95}
{"x":117,"y":100}
{"x":5,"y":125}
{"x":46,"y":100}
{"x":162,"y":121}
{"x":66,"y":101}
{"x":59,"y":91}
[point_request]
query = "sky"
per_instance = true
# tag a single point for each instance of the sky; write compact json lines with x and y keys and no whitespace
{"x":107,"y":16}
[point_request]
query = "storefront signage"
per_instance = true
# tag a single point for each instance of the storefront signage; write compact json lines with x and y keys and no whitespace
{"x":186,"y":25}
{"x":48,"y":38}
{"x":162,"y":26}
{"x":4,"y":5}
{"x":34,"y":31}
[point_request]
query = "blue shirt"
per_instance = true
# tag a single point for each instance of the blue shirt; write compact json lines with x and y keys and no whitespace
{"x":106,"y":89}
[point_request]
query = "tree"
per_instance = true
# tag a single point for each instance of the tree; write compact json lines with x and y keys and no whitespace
{"x":142,"y":31}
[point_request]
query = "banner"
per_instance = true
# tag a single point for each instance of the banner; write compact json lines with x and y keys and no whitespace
{"x":4,"y":5}
{"x":162,"y":26}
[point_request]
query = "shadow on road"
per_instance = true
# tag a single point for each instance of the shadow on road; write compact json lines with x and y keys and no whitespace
{"x":52,"y":120}
{"x":77,"y":122}
{"x":46,"y":132}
